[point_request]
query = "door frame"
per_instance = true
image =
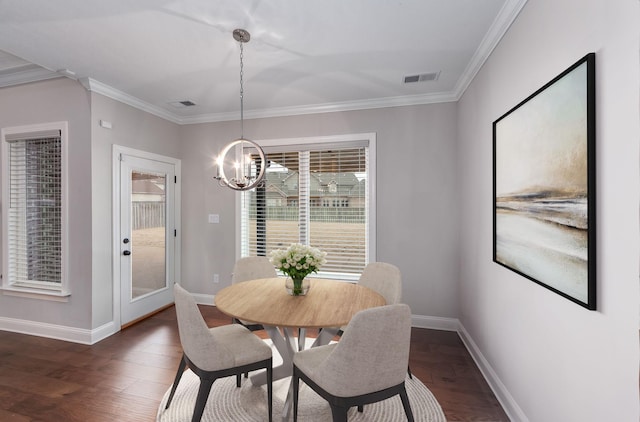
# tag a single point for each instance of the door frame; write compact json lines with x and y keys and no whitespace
{"x":118,"y":150}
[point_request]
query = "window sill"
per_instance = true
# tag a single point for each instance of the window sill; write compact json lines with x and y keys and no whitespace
{"x":32,"y":293}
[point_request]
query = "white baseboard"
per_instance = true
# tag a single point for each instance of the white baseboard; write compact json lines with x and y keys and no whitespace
{"x":513,"y":411}
{"x":511,"y":408}
{"x":103,"y":332}
{"x":73,"y":334}
{"x":435,"y":323}
{"x":202,"y":299}
{"x":58,"y":332}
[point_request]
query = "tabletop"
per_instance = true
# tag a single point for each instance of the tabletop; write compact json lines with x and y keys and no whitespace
{"x":329,"y":303}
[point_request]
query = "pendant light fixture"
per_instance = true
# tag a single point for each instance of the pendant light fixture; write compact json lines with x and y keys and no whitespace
{"x":242,"y":158}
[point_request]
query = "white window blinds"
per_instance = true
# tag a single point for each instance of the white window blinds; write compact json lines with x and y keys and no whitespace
{"x":35,"y":210}
{"x":315,"y":194}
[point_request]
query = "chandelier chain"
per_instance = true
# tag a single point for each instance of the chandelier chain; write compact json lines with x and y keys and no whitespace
{"x":249,"y":170}
{"x":241,"y":91}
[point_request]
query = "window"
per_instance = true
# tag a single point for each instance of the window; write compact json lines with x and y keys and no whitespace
{"x":318,"y":191}
{"x":34,"y":218}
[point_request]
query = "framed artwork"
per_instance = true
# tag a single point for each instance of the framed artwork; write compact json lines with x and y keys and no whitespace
{"x":544,"y":225}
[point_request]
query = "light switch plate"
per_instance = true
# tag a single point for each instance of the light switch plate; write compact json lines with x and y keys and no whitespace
{"x":214,"y":218}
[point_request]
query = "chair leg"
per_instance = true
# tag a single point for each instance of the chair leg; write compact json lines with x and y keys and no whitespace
{"x":176,"y":381}
{"x":270,"y":390}
{"x":339,"y":413}
{"x":360,"y":408}
{"x":238,"y":380}
{"x":302,"y":335}
{"x":405,"y":403}
{"x":201,"y":401}
{"x":409,"y":372}
{"x":296,"y":383}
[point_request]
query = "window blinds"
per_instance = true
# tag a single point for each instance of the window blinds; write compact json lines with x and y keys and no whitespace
{"x":35,"y":210}
{"x":316,"y":196}
{"x":338,"y":222}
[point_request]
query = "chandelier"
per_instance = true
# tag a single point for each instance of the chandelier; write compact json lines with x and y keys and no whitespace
{"x":242,"y":158}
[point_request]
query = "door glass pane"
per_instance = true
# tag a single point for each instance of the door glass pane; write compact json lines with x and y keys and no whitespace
{"x":148,"y":233}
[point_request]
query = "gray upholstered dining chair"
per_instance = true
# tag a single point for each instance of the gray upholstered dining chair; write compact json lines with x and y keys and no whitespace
{"x":218,"y":352}
{"x":385,"y":279}
{"x":367,"y":365}
{"x":250,"y":268}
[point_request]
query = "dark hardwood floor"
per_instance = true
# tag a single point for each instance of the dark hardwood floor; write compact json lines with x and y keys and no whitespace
{"x":124,"y":377}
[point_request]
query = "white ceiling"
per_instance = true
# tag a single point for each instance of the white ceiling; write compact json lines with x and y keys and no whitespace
{"x":304,"y":56}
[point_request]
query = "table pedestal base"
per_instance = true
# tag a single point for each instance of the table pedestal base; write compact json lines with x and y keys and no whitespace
{"x":286,"y":345}
{"x":311,"y":407}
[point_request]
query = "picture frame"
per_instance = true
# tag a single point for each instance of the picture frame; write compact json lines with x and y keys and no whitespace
{"x":544,"y":185}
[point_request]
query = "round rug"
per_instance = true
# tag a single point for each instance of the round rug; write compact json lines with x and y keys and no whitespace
{"x":249,"y":404}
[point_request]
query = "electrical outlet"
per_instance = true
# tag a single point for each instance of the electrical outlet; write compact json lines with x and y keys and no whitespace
{"x":216,"y":278}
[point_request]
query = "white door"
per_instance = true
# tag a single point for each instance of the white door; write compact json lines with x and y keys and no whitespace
{"x":147,"y":236}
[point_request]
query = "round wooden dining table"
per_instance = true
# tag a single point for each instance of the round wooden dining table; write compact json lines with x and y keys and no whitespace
{"x":329,"y":304}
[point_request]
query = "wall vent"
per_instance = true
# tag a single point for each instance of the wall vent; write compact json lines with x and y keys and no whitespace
{"x":422,"y":77}
{"x":183,"y":103}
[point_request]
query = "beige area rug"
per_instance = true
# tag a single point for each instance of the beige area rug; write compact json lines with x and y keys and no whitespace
{"x":249,"y":403}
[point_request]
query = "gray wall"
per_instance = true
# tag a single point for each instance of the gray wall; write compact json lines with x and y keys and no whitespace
{"x":90,"y":189}
{"x":416,"y":208}
{"x":559,"y":361}
{"x":51,"y":101}
{"x":134,"y":129}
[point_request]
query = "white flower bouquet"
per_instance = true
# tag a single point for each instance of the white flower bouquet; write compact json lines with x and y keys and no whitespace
{"x":298,"y":261}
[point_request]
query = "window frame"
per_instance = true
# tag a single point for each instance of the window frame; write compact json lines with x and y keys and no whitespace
{"x":335,"y":141}
{"x":45,"y":291}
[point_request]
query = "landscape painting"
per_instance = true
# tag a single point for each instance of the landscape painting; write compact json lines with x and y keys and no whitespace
{"x":544,"y":185}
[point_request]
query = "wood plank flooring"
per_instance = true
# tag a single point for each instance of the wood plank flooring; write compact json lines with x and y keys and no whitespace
{"x":124,"y":377}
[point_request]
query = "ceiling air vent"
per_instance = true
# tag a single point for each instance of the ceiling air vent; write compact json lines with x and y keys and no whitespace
{"x":181,"y":104}
{"x":423,"y":77}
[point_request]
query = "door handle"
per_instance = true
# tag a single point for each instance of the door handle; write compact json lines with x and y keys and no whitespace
{"x":126,"y":253}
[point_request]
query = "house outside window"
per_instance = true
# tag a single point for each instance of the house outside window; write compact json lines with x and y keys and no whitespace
{"x":34,"y":221}
{"x":319,"y":192}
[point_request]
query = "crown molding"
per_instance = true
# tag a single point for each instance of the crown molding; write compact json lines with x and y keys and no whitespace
{"x":443,"y":97}
{"x":27,"y":74}
{"x":100,"y":88}
{"x":103,"y":89}
{"x":501,"y":24}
